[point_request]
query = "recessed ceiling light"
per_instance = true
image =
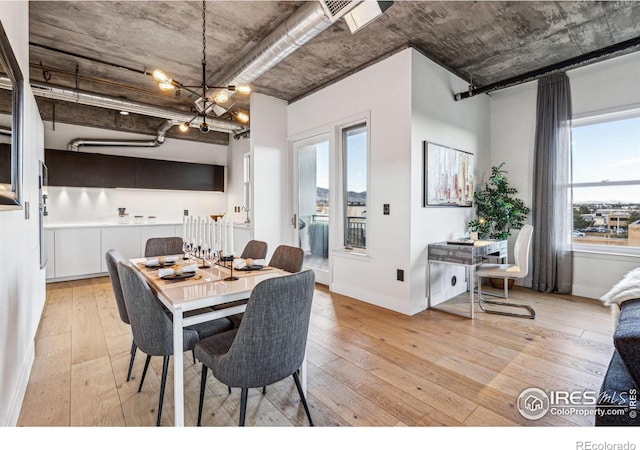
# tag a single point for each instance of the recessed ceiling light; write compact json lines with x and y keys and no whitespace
{"x":124,"y":113}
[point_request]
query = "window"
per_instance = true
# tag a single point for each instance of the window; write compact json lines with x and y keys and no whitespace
{"x":246,"y":182}
{"x":354,"y":157}
{"x":606,"y":182}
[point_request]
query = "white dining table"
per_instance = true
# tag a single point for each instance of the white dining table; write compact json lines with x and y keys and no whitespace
{"x":206,"y":289}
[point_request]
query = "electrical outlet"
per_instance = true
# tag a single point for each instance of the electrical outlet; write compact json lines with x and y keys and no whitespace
{"x":386,"y":209}
{"x":400,"y":275}
{"x":186,"y":212}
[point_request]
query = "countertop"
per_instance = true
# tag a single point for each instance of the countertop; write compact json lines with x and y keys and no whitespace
{"x":237,"y":225}
{"x":106,"y":224}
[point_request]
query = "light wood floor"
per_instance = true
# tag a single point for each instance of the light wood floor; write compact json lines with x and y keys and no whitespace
{"x":367,"y":366}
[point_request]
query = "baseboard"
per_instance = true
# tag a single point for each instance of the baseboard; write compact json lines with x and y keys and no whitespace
{"x":373,"y":298}
{"x":16,"y":402}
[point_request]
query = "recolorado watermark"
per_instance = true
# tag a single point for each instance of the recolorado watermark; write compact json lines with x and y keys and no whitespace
{"x":534,"y":404}
{"x":590,"y":445}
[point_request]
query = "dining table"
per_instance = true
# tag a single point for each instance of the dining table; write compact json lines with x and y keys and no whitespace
{"x":192,"y":298}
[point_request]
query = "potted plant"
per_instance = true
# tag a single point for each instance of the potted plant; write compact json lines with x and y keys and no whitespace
{"x":498,"y":210}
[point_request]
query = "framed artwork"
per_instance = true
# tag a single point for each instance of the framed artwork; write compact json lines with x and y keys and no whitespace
{"x":448,"y":176}
{"x":11,"y":137}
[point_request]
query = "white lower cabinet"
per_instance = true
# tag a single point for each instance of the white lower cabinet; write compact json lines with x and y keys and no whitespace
{"x":77,"y":252}
{"x":125,"y":240}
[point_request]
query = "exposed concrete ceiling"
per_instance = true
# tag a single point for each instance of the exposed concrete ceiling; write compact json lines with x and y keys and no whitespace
{"x":482,"y":41}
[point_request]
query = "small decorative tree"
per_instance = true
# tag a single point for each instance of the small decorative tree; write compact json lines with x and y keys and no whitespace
{"x":498,"y":210}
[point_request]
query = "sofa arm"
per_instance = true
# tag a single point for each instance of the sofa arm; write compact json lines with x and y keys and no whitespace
{"x":627,"y":337}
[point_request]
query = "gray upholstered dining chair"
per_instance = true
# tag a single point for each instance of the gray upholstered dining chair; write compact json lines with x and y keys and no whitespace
{"x":254,"y":250}
{"x":287,"y":258}
{"x":270,"y":343}
{"x":113,"y":257}
{"x":161,"y":246}
{"x":152,"y":326}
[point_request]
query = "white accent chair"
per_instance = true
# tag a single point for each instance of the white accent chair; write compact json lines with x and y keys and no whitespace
{"x":519,"y":269}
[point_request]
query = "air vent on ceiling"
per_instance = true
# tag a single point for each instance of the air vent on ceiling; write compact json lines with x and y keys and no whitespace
{"x":335,"y":9}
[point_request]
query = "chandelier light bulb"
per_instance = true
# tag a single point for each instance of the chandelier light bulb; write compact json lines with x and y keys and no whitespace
{"x":242,"y":117}
{"x":221,"y":97}
{"x":184,"y":127}
{"x":161,"y":77}
{"x":166,"y":86}
{"x":243,"y":88}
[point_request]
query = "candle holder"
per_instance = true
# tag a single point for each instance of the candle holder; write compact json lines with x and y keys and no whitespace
{"x":228,"y":258}
{"x":203,"y":254}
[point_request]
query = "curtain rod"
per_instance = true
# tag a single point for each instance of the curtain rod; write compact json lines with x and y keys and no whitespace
{"x":582,"y":60}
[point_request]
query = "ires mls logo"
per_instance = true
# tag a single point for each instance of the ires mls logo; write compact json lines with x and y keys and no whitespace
{"x":533,"y":403}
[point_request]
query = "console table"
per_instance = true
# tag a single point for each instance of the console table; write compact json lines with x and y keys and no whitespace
{"x":467,"y":255}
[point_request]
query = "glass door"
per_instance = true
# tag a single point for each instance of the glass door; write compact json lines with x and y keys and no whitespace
{"x":312,"y":203}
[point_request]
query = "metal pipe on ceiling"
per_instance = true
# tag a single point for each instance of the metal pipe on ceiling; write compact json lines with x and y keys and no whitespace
{"x":155,"y":142}
{"x":572,"y":63}
{"x":303,"y":25}
{"x":101,"y":101}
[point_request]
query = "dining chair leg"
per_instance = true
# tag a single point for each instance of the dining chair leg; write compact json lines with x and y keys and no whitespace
{"x":243,"y":405}
{"x":296,"y":378}
{"x":229,"y":387}
{"x":203,"y":383}
{"x":193,"y":353}
{"x":134,"y":347}
{"x":264,"y":390}
{"x":144,"y":372}
{"x":165,"y":369}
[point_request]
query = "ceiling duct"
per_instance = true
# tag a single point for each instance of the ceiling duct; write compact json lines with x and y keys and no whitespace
{"x":158,"y":141}
{"x":304,"y":24}
{"x":101,"y":101}
{"x":335,"y":9}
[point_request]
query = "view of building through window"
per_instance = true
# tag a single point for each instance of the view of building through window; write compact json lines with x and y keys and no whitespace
{"x":606,"y":182}
{"x":355,"y":186}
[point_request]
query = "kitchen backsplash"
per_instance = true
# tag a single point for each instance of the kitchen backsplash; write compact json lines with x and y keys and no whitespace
{"x":98,"y":205}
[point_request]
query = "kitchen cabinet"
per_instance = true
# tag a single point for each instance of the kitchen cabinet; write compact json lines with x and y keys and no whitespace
{"x":79,"y":169}
{"x":77,"y":252}
{"x":126,"y":240}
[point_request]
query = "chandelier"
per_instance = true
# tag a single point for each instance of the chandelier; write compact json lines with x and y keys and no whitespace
{"x":214,"y":99}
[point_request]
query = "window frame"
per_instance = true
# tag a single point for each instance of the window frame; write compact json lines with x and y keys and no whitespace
{"x":595,"y":118}
{"x":341,"y":131}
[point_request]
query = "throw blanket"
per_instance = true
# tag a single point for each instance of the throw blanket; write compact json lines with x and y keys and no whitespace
{"x":626,"y":289}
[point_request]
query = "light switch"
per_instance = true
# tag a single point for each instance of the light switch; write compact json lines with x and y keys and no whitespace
{"x":386,"y":209}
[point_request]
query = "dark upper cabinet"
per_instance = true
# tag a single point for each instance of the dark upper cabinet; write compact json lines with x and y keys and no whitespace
{"x":160,"y":174}
{"x":77,"y":169}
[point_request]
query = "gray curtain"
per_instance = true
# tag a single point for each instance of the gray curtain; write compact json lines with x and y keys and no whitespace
{"x":551,"y":207}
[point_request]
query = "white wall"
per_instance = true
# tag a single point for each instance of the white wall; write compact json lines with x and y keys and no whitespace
{"x":408,"y":99}
{"x":235,"y":177}
{"x":269,"y":169}
{"x":22,"y":283}
{"x":607,"y":85}
{"x":463,"y":125}
{"x":97,"y":205}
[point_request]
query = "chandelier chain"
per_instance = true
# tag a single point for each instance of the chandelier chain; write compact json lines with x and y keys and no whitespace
{"x":204,"y":32}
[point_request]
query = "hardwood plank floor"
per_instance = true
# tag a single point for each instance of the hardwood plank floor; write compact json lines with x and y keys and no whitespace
{"x":367,"y":366}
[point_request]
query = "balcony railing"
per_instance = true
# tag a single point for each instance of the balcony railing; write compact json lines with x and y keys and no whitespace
{"x":356,"y":232}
